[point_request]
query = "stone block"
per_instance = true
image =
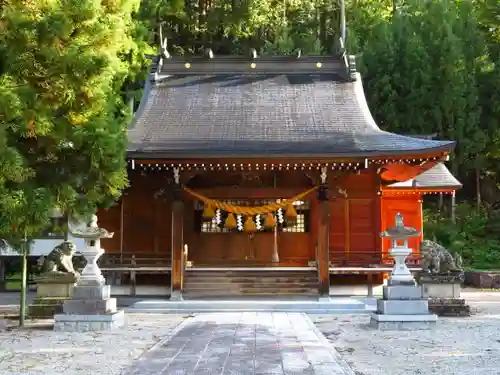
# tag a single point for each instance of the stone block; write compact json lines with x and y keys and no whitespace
{"x":54,"y":290}
{"x":85,"y":323}
{"x":431,"y":290}
{"x":104,"y":306}
{"x":400,"y":307}
{"x":402,"y":292}
{"x":46,"y":307}
{"x":449,"y":307}
{"x":392,"y":282}
{"x":483,"y":280}
{"x":92,"y":292}
{"x":402,"y":322}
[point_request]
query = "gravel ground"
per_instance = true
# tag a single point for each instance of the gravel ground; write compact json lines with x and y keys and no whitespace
{"x":456,"y":346}
{"x":37,"y":350}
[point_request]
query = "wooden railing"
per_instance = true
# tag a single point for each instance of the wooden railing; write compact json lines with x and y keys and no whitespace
{"x":368,"y":264}
{"x":367,"y":258}
{"x":115,"y":266}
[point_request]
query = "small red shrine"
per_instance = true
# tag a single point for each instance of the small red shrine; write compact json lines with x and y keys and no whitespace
{"x":266,"y":163}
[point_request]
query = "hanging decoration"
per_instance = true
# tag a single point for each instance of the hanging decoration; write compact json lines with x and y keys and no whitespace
{"x":249,"y":225}
{"x":230,"y":222}
{"x":290,"y":213}
{"x":270,"y":221}
{"x":258,"y":222}
{"x":208,"y":213}
{"x":281,"y":218}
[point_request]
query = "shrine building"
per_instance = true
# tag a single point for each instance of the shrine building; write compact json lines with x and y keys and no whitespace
{"x":267,"y":172}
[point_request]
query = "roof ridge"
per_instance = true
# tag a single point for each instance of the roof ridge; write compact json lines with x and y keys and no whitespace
{"x":164,"y":64}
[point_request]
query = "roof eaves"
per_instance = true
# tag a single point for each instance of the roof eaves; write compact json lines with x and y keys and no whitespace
{"x":160,"y":154}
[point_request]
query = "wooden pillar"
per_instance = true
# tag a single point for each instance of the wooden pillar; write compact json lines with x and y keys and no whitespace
{"x":323,"y":249}
{"x":177,"y":274}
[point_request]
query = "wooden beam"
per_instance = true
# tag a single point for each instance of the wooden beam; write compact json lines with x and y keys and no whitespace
{"x":323,"y":255}
{"x":246,"y":193}
{"x":177,"y":250}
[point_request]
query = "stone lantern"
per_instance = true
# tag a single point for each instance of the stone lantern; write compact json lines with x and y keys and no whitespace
{"x":402,"y":305}
{"x":91,"y":307}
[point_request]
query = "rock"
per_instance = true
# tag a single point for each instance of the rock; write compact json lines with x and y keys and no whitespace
{"x":483,"y":280}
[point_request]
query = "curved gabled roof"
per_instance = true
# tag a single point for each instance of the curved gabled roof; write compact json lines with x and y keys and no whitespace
{"x":435,"y":179}
{"x":302,"y":113}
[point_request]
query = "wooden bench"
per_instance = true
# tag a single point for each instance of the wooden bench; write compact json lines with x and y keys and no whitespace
{"x":118,"y":265}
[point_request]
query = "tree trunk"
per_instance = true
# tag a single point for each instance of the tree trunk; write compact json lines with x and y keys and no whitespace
{"x":478,"y":188}
{"x":342,"y":22}
{"x":24,"y":282}
{"x":453,"y":208}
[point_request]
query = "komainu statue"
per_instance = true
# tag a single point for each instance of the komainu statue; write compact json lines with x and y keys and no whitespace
{"x":437,"y":260}
{"x":60,"y":260}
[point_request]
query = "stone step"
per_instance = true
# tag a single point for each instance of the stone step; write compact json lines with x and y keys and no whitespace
{"x":272,"y":292}
{"x":246,"y":277}
{"x":332,"y":305}
{"x":220,"y":283}
{"x":250,"y":283}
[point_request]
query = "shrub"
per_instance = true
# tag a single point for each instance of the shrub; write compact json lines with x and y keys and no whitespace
{"x":474,"y":234}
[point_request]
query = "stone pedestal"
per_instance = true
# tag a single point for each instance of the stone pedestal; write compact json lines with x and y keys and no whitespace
{"x":443,"y":293}
{"x":90,"y":309}
{"x":52,"y":291}
{"x":402,"y":308}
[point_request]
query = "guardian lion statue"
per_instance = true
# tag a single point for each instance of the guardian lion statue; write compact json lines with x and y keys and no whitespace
{"x":60,"y":260}
{"x":437,"y":260}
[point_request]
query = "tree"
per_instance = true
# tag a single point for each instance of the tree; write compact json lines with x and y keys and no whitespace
{"x":421,"y":69}
{"x":63,"y":66}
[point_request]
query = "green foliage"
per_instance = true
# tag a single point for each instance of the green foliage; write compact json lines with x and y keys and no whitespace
{"x":62,"y":112}
{"x":471,"y":235}
{"x":421,"y":72}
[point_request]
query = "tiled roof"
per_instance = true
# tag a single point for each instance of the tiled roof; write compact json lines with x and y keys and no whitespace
{"x":438,"y":177}
{"x":301,"y":112}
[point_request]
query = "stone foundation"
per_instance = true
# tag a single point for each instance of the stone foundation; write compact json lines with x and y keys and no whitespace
{"x":90,"y":309}
{"x":449,"y":307}
{"x":402,"y":322}
{"x":50,"y":296}
{"x":46,"y":308}
{"x":443,"y":292}
{"x":86,"y":323}
{"x":402,"y":308}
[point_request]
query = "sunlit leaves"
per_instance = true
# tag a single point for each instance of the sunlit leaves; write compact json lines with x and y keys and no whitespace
{"x":62,"y":117}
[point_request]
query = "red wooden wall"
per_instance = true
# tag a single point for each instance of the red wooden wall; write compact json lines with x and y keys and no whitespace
{"x":355,"y":220}
{"x":410,"y":207}
{"x":146,"y":219}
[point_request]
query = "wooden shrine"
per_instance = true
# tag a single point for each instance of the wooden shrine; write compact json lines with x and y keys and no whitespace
{"x":241,"y":162}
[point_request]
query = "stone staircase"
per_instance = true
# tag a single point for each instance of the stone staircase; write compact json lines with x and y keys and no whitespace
{"x":245,"y":282}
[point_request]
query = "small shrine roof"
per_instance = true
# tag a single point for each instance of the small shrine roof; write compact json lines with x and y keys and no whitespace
{"x":436,"y":178}
{"x":263,"y":107}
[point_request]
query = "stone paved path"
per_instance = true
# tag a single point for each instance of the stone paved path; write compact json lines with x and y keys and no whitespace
{"x":244,"y":344}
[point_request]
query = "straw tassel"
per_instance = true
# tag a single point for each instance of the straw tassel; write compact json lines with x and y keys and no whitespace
{"x":270,"y":221}
{"x":290,"y":213}
{"x":250,"y":226}
{"x":230,"y":222}
{"x":208,"y":213}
